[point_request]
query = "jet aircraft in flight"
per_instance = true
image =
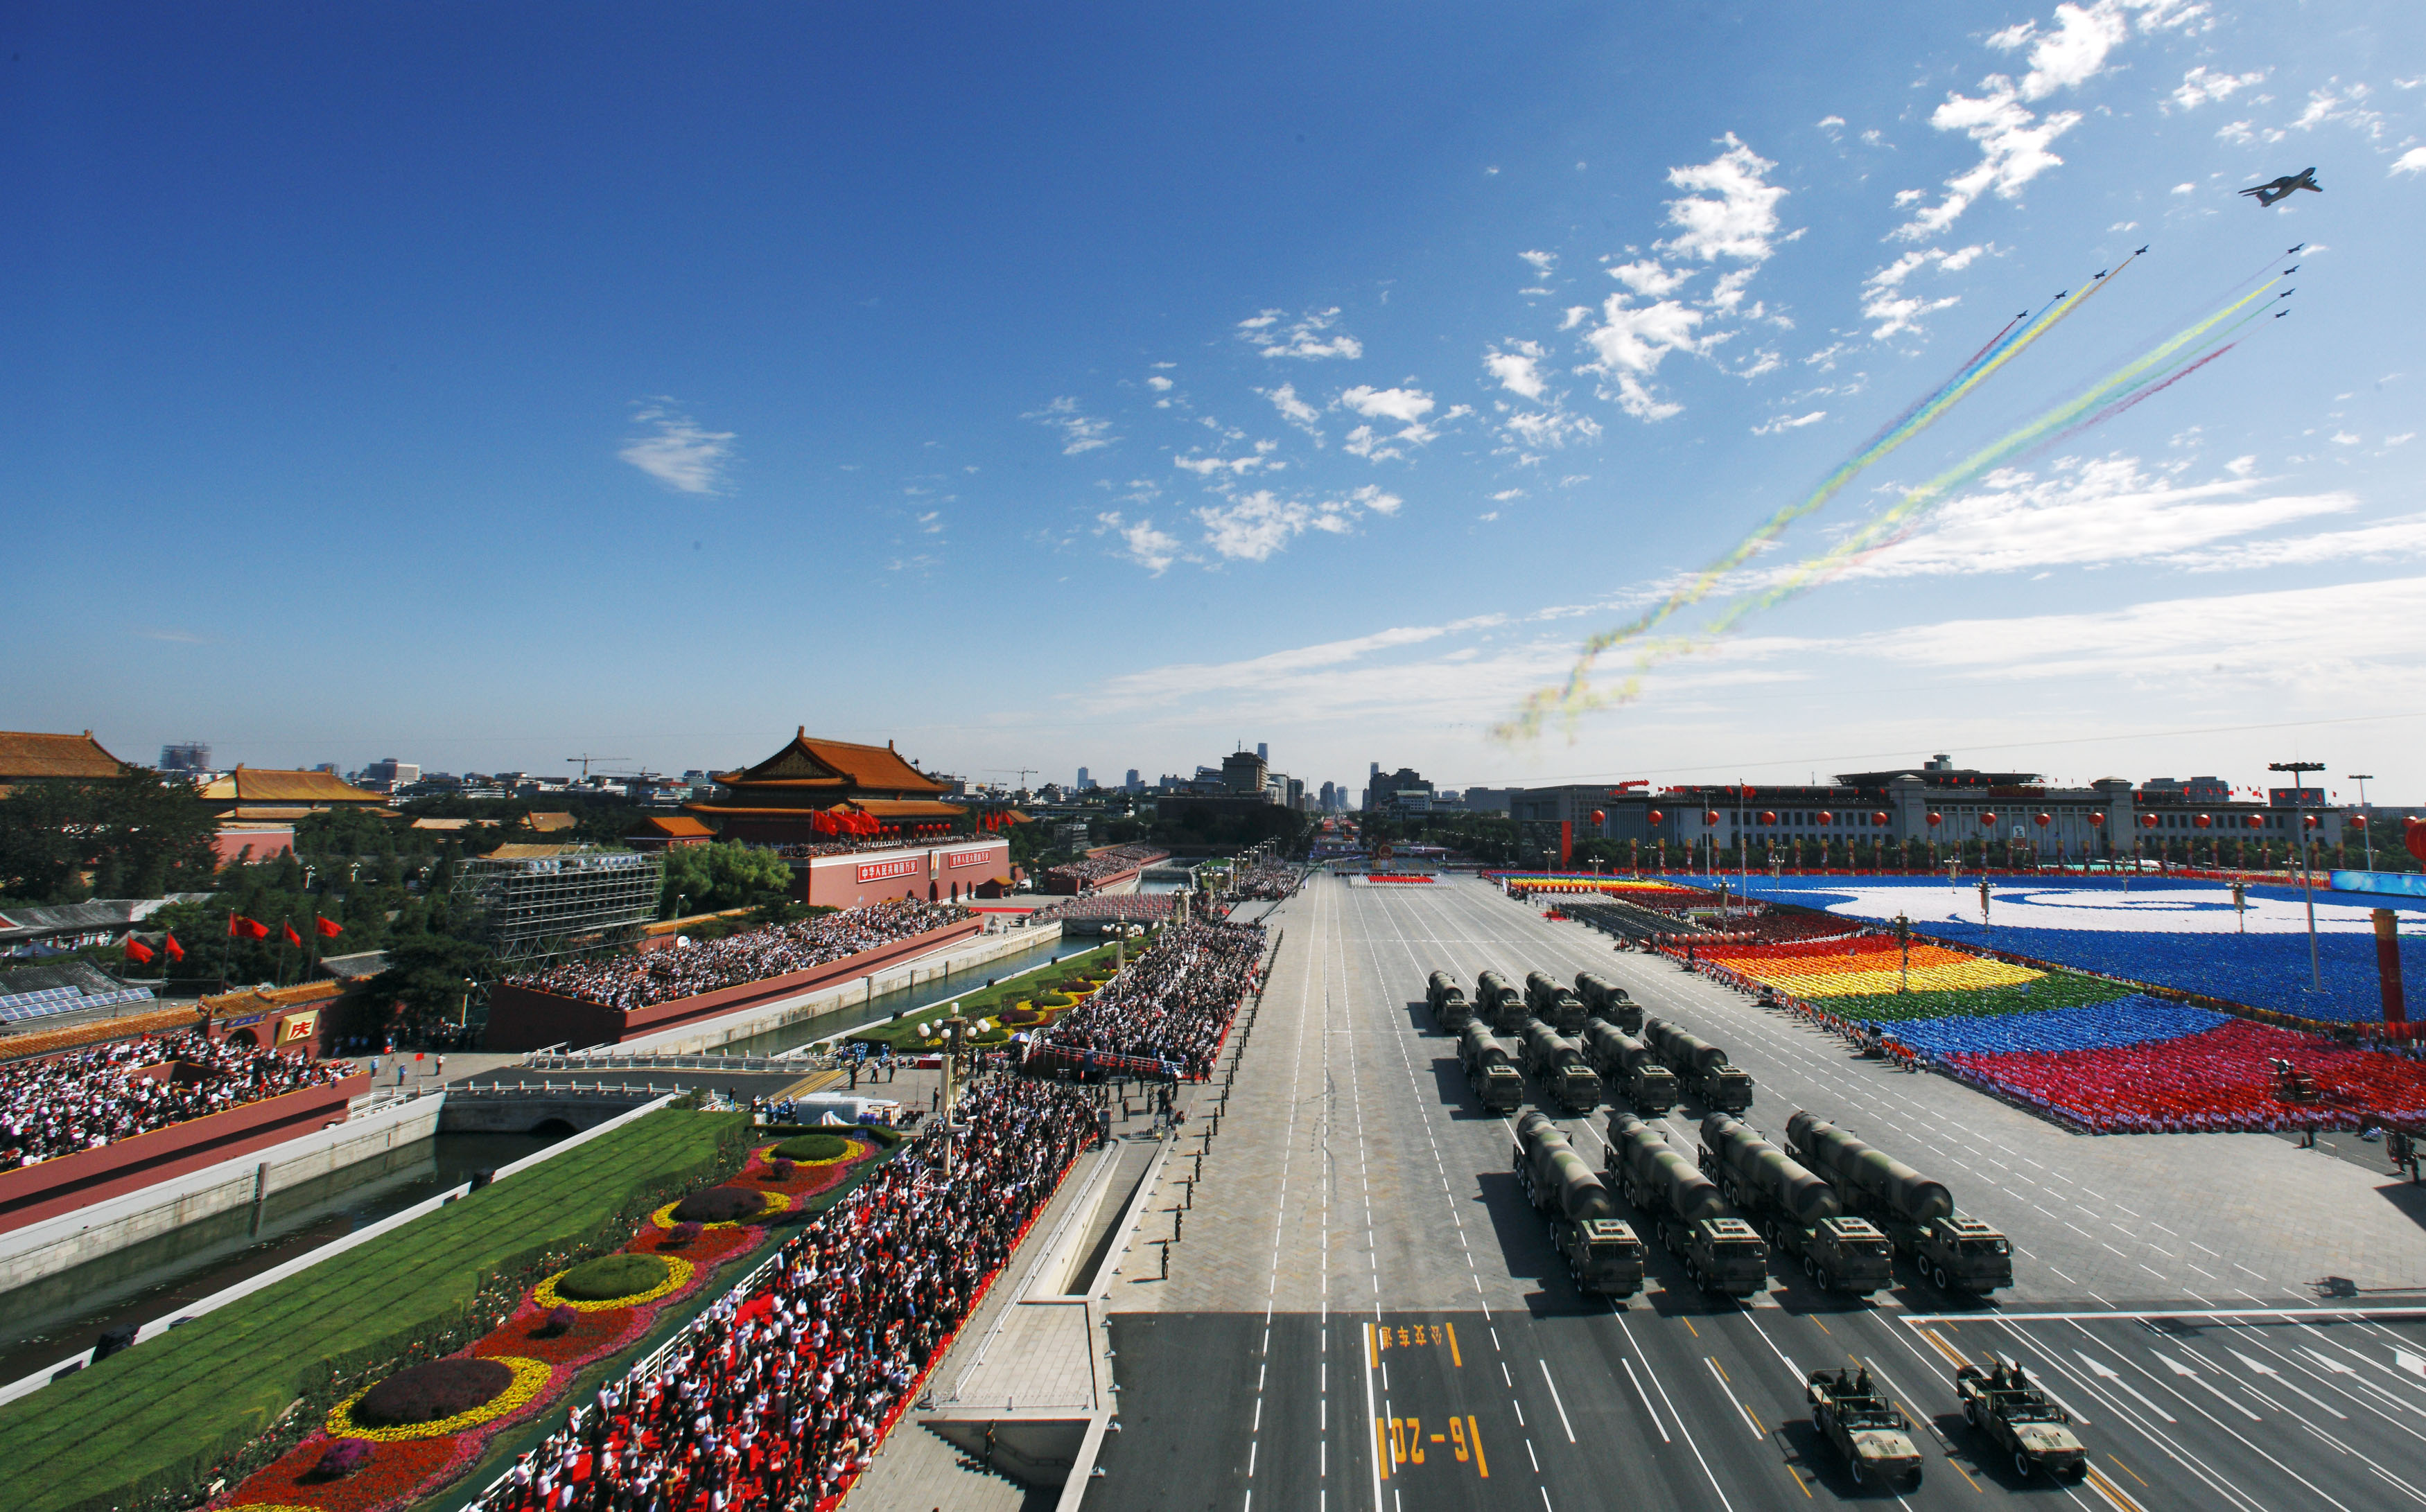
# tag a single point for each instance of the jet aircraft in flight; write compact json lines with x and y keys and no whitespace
{"x":2281,"y":188}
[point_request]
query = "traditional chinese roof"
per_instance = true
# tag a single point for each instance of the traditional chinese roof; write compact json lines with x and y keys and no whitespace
{"x":840,"y":767}
{"x":547,"y":824}
{"x":262,"y":784}
{"x":672,"y":827}
{"x":904,"y":808}
{"x":26,"y":755}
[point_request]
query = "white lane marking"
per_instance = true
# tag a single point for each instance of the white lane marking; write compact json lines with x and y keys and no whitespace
{"x":1750,"y":1421}
{"x":1628,"y":1363}
{"x":1690,"y":1441}
{"x":1555,"y":1401}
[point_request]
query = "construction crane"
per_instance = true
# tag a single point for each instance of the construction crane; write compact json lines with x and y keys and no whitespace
{"x":1024,"y":773}
{"x":586,"y":760}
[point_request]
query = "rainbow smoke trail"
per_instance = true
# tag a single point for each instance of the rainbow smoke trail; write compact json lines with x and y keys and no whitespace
{"x":2001,"y":349}
{"x":2175,"y":358}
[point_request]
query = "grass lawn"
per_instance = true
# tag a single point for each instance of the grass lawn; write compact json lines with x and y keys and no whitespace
{"x":907,"y":1033}
{"x":157,"y":1417}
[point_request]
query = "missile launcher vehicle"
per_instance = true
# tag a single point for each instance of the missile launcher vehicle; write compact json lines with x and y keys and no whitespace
{"x":1499,"y":1004}
{"x":1795,"y":1211}
{"x":1558,"y":1062}
{"x":1629,"y":1070}
{"x":1606,"y":1000}
{"x":2019,"y":1420}
{"x":1490,"y":1068}
{"x":1957,"y":1253}
{"x":1720,"y":1254}
{"x":1451,"y":1013}
{"x":1548,"y":999}
{"x":1702,"y":1066}
{"x":1865,"y":1428}
{"x":1600,"y":1248}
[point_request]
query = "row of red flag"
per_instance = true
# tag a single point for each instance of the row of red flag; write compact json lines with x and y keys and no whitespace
{"x":240,"y":927}
{"x":844,"y":822}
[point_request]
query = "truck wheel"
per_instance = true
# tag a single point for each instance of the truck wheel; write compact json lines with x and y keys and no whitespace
{"x":1938,"y":1276}
{"x":1861,"y":1477}
{"x":2021,"y":1464}
{"x":1810,"y":1267}
{"x":1971,"y":1409}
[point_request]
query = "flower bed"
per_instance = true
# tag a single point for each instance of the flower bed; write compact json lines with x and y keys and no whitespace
{"x":547,"y":1340}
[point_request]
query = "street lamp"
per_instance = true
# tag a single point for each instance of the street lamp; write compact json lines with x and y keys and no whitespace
{"x":2367,"y":841}
{"x":2307,"y":877}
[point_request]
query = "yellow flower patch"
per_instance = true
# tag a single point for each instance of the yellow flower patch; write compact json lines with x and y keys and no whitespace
{"x":531,"y":1378}
{"x":678,"y":1274}
{"x":1971,"y":975}
{"x":769,"y":1156}
{"x":775,"y":1202}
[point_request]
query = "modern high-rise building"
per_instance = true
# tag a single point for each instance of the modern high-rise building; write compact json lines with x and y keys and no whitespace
{"x":1132,"y":784}
{"x":1263,"y":753}
{"x":186,"y":756}
{"x":1083,"y":783}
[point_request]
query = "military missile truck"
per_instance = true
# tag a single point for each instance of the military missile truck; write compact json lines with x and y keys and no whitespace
{"x":1450,"y":1011}
{"x":1500,"y":1004}
{"x":1605,"y":999}
{"x":1600,"y":1248}
{"x":1957,"y":1253}
{"x":1702,"y":1066}
{"x":2019,"y":1419}
{"x":1795,"y":1211}
{"x":1558,"y":1062}
{"x":1865,"y":1428}
{"x":1490,"y":1068}
{"x":1548,"y":999}
{"x":1629,"y":1070}
{"x":1720,"y":1254}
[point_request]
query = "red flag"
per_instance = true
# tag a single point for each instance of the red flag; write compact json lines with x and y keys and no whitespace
{"x":240,"y":928}
{"x":137,"y":951}
{"x":168,"y":943}
{"x":330,"y":929}
{"x":292,"y":938}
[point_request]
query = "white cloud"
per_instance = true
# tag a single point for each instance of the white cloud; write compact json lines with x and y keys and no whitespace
{"x":1728,"y":211}
{"x":1797,"y":422}
{"x":1647,"y":277}
{"x":675,"y":451}
{"x":1406,"y":406}
{"x":2013,"y":151}
{"x":1518,"y":369}
{"x":1294,"y":409}
{"x":1543,"y":263}
{"x":1079,"y":433}
{"x":1140,"y":541}
{"x":2089,"y":514}
{"x":2200,"y":85}
{"x":1832,"y":124}
{"x":2070,"y":55}
{"x":1311,"y":336}
{"x":2332,"y":104}
{"x":1251,"y":527}
{"x":1630,"y":344}
{"x":1158,"y":384}
{"x":1548,"y":430}
{"x":2388,"y":540}
{"x":2185,"y":188}
{"x":1231,"y":466}
{"x":2412,"y":161}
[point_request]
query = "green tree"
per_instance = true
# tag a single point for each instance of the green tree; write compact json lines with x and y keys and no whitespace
{"x":137,"y":836}
{"x":722,"y":875}
{"x":428,"y":980}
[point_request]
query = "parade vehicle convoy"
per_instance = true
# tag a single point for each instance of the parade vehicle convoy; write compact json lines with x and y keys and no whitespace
{"x":1548,"y":999}
{"x":1956,"y":1252}
{"x":1602,"y":1252}
{"x":1630,"y":1069}
{"x":1558,"y":1062}
{"x":1865,"y":1428}
{"x":1451,"y":1013}
{"x":1606,"y":1000}
{"x":1720,"y":1254}
{"x":1502,"y":1004}
{"x":2020,"y":1419}
{"x":1491,"y":1070}
{"x":1795,"y":1211}
{"x":1702,"y":1066}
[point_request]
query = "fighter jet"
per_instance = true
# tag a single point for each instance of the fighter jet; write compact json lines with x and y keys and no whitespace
{"x":2281,"y":188}
{"x":2101,"y":272}
{"x":2293,"y":268}
{"x":2142,"y":250}
{"x":2294,"y":252}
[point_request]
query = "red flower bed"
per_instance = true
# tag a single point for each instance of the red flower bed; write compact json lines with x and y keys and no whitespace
{"x":2218,"y":1079}
{"x":1803,"y":949}
{"x":403,"y":1473}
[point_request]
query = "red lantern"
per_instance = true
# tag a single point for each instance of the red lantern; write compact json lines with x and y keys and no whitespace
{"x":1988,"y":821}
{"x":1768,"y":817}
{"x":2043,"y":820}
{"x":1825,"y":817}
{"x":1711,"y":818}
{"x":1936,"y":820}
{"x":2413,"y":837}
{"x":1599,"y":818}
{"x":1655,"y":816}
{"x":2097,"y":821}
{"x":1879,"y":818}
{"x":2307,"y":821}
{"x":2356,"y":820}
{"x":2147,"y":821}
{"x":2201,"y":822}
{"x":2257,"y":821}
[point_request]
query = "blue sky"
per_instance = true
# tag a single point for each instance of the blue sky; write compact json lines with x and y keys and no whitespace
{"x":485,"y":385}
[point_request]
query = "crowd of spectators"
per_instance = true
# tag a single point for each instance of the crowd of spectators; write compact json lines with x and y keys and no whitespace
{"x":1172,"y":1004}
{"x":87,"y":1099}
{"x":640,"y":981}
{"x":1110,"y":862}
{"x":1266,"y":883}
{"x":778,"y":1398}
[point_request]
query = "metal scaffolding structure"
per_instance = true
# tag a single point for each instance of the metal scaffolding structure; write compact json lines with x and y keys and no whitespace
{"x":552,"y":903}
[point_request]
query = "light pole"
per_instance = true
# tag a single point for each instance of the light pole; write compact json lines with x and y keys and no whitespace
{"x":2365,"y":840}
{"x":2307,"y":878}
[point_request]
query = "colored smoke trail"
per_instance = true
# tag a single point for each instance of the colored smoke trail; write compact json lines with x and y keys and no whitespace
{"x":2143,"y":377}
{"x":1575,"y":694}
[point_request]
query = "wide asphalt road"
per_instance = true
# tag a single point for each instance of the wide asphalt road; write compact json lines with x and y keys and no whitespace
{"x":1362,"y":1312}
